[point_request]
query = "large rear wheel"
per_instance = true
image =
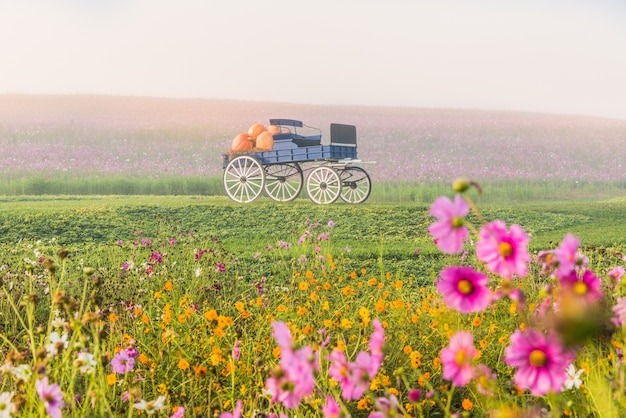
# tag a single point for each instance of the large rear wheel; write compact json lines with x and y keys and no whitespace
{"x":244,"y":178}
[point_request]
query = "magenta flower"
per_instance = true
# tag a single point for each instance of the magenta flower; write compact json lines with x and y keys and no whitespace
{"x":180,"y":411}
{"x":236,"y":350}
{"x":331,"y":408}
{"x":567,"y":256}
{"x":449,"y":231}
{"x":294,"y":377}
{"x":355,"y":377}
{"x":540,"y":361}
{"x":123,"y":362}
{"x":464,"y":289}
{"x":620,"y":312}
{"x":585,"y":289}
{"x":616,"y":274}
{"x":456,"y":358}
{"x":505,"y":253}
{"x":236,"y":412}
{"x":51,"y":396}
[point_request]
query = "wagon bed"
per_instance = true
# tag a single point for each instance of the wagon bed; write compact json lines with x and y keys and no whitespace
{"x":279,"y":171}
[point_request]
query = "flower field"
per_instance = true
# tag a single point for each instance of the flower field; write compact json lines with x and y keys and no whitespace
{"x":168,"y":321}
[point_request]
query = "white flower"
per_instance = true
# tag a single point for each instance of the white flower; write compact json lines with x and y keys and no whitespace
{"x":57,"y":343}
{"x":198,"y":272}
{"x":152,"y":406}
{"x":7,"y":407}
{"x":85,"y":362}
{"x":22,"y":372}
{"x":573,"y":378}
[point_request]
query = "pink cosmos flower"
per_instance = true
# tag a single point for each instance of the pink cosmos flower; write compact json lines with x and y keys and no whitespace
{"x":355,"y":377}
{"x":584,"y":289}
{"x":616,"y":274}
{"x":449,"y":230}
{"x":51,"y":396}
{"x":485,"y":380}
{"x":540,"y":361}
{"x":506,"y":253}
{"x":236,"y":412}
{"x":620,"y":312}
{"x":122,"y":363}
{"x":331,"y":408}
{"x":180,"y":411}
{"x":236,"y":350}
{"x":464,"y":289}
{"x":567,"y":255}
{"x":294,"y":378}
{"x":456,"y":358}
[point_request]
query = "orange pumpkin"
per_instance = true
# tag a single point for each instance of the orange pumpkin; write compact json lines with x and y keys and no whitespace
{"x":255,"y":130}
{"x":273,"y":129}
{"x":265,"y":141}
{"x":242,"y":142}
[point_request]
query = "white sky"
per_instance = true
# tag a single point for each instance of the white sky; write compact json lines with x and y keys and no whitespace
{"x":560,"y":56}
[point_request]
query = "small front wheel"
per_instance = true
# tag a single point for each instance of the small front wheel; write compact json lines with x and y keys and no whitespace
{"x":355,"y":185}
{"x":323,"y":185}
{"x":244,"y":178}
{"x":283,"y":182}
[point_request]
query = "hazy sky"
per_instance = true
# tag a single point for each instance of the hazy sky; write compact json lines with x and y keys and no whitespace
{"x":562,"y":56}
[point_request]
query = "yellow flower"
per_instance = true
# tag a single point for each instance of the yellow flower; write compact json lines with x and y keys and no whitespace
{"x":161,"y":388}
{"x":112,"y":317}
{"x":345,"y":323}
{"x":183,"y":364}
{"x":326,"y":286}
{"x":168,"y":286}
{"x":303,"y":286}
{"x":467,"y":404}
{"x":394,"y":391}
{"x":111,"y":379}
{"x":211,"y":315}
{"x":157,"y":295}
{"x":372,"y":281}
{"x":314,"y":297}
{"x":380,"y":306}
{"x":240,"y":306}
{"x":364,"y":312}
{"x":363,"y":404}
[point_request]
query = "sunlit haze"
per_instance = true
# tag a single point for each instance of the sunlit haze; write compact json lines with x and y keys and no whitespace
{"x":534,"y":55}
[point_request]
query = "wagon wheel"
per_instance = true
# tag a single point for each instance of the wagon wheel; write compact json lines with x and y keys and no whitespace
{"x":323,"y":185}
{"x":283,"y":182}
{"x":355,"y":185}
{"x":243,"y":179}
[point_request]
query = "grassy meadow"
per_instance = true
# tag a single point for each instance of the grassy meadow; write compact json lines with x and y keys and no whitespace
{"x":132,"y":286}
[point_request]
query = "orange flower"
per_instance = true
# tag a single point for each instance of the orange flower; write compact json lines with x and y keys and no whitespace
{"x":111,"y":379}
{"x":112,"y":317}
{"x":303,"y":286}
{"x":168,"y":286}
{"x":200,"y":371}
{"x":467,"y":404}
{"x":211,"y":315}
{"x":380,"y":306}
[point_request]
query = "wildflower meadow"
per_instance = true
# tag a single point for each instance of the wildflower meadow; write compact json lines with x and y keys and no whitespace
{"x":180,"y":325}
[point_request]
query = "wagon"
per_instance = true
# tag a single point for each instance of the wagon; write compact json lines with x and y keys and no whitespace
{"x":331,"y":171}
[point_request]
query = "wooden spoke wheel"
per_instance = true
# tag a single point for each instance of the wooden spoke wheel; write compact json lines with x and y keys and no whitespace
{"x":244,"y":178}
{"x":323,"y":185}
{"x":283,"y":182}
{"x":355,"y":185}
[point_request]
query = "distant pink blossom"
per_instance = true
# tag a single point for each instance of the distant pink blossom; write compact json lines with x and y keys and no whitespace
{"x":541,"y":361}
{"x":620,"y":312}
{"x":464,"y":289}
{"x":504,"y":252}
{"x":236,"y":350}
{"x":567,"y":256}
{"x":456,"y":358}
{"x":122,"y":363}
{"x":449,"y":231}
{"x":616,"y":273}
{"x":51,"y":396}
{"x":485,"y":380}
{"x":180,"y":411}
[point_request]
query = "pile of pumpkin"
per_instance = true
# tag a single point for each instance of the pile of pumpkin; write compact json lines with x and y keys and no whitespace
{"x":258,"y":138}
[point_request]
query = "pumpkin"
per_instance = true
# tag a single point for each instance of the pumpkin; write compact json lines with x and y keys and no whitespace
{"x":265,"y":141}
{"x":255,"y":130}
{"x":242,"y":142}
{"x":273,"y":129}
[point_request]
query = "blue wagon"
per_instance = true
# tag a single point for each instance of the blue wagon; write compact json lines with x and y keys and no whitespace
{"x":279,"y":172}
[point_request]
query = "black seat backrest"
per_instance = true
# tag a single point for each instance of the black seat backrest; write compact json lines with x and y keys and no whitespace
{"x":342,"y":134}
